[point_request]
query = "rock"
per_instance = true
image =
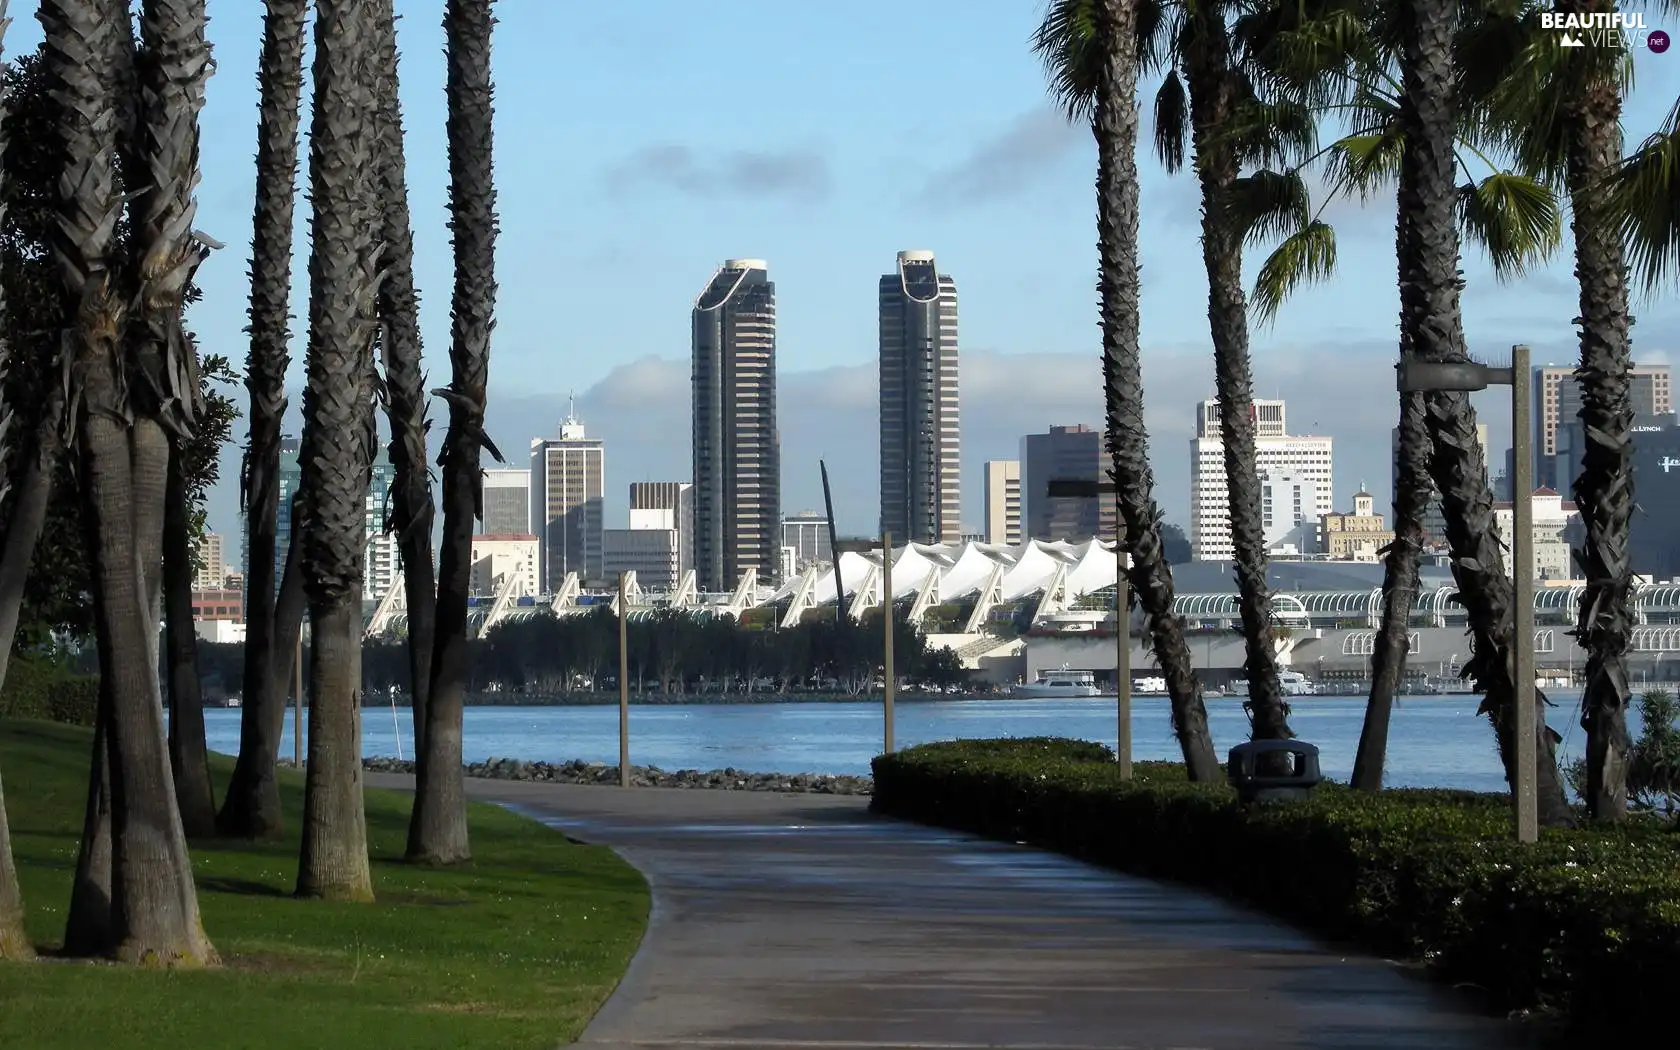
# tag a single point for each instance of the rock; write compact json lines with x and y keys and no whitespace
{"x":577,"y":771}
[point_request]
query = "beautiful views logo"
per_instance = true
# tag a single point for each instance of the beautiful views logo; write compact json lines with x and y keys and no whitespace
{"x":1623,"y":29}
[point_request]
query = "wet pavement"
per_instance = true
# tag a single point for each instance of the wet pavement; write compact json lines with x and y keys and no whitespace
{"x":803,"y":921}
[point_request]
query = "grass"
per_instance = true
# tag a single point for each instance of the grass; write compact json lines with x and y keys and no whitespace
{"x":516,"y":949}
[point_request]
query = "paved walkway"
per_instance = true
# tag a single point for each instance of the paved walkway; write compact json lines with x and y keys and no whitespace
{"x":802,"y":921}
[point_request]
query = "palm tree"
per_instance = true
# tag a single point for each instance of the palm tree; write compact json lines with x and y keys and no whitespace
{"x":189,"y":762}
{"x":405,"y":385}
{"x":1645,"y":202}
{"x":337,"y":448}
{"x":438,"y":831}
{"x":251,"y":808}
{"x":1089,"y":53}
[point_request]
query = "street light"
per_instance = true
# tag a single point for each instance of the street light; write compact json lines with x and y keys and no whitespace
{"x":887,"y":675}
{"x":1412,"y":376}
{"x":1078,"y":488}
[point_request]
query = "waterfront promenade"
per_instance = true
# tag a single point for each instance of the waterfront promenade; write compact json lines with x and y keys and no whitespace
{"x":803,"y":921}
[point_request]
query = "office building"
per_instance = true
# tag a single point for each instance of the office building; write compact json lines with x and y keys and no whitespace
{"x":568,"y":484}
{"x":736,"y":446}
{"x":1357,"y":536}
{"x":1003,"y":501}
{"x":666,"y":505}
{"x":1553,"y":516}
{"x":497,"y":555}
{"x":650,"y":553}
{"x":1073,"y":453}
{"x":507,"y":502}
{"x":920,"y":444}
{"x":805,"y":535}
{"x":1557,"y":401}
{"x":381,"y":561}
{"x":1289,"y":513}
{"x":210,"y":568}
{"x":1278,"y":454}
{"x":1654,"y":535}
{"x":1434,"y":521}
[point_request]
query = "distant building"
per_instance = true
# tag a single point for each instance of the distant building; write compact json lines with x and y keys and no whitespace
{"x":666,"y":505}
{"x":652,"y":554}
{"x":568,"y":485}
{"x":496,"y":555}
{"x":381,"y":564}
{"x":1064,"y":453}
{"x":1289,"y":513}
{"x":1654,"y":537}
{"x":1552,"y":518}
{"x":920,"y":437}
{"x":218,"y":603}
{"x":1277,"y":454}
{"x":507,"y":502}
{"x":736,"y":446}
{"x":1434,"y":522}
{"x":1557,"y":402}
{"x":1357,"y":536}
{"x":806,"y":535}
{"x":211,"y":556}
{"x":1003,"y":501}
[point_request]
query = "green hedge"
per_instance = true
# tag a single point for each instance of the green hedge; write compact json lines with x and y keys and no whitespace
{"x":39,"y":687}
{"x":1584,"y":922}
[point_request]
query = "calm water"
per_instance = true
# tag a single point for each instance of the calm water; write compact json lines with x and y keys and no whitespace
{"x":1433,"y":741}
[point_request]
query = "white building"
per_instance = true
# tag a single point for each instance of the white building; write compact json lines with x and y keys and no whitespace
{"x":806,"y":533}
{"x":1277,"y":453}
{"x":212,"y":562}
{"x":1003,"y":501}
{"x":494,"y":555}
{"x":1289,"y":513}
{"x":1552,"y":517}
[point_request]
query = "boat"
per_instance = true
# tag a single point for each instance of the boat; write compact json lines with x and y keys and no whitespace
{"x":1149,"y":687}
{"x":1060,"y":683}
{"x":1292,"y":683}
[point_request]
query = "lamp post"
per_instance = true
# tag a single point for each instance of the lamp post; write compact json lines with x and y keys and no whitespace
{"x":1072,"y":488}
{"x":297,"y":706}
{"x":1423,"y":376}
{"x":623,"y":684}
{"x":887,"y":671}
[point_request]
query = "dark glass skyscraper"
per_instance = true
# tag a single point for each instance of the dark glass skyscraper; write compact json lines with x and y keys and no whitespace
{"x":737,"y":449}
{"x":920,"y":443}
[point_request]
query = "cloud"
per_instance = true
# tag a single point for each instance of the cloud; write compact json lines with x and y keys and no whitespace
{"x":802,"y":174}
{"x":1008,"y":162}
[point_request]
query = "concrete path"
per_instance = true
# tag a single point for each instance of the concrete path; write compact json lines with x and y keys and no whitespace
{"x":802,"y":921}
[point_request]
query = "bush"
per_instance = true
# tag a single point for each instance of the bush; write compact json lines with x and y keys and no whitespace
{"x":40,"y":687}
{"x":1584,"y":922}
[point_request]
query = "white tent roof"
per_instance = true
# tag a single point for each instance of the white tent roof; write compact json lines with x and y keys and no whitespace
{"x":964,"y":569}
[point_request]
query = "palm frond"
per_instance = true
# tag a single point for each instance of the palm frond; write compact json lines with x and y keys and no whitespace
{"x":1515,"y":218}
{"x":1304,"y":257}
{"x":1367,"y":162}
{"x":1277,"y":134}
{"x":1267,"y":205}
{"x":1172,"y":121}
{"x":1066,"y":43}
{"x":1645,"y":202}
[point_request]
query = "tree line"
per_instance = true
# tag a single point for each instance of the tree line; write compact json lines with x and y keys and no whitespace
{"x":1479,"y":125}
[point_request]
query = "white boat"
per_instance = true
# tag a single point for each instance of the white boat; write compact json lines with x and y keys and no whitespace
{"x":1149,"y":687}
{"x":1060,"y":683}
{"x":1292,"y":683}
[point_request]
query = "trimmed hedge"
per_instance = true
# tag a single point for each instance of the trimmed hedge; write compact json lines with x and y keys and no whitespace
{"x":1586,"y":923}
{"x":38,"y":687}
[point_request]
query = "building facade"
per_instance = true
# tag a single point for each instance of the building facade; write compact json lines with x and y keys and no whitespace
{"x":1064,"y":453}
{"x":1654,"y":536}
{"x":736,"y":446}
{"x":1357,"y":536}
{"x":507,"y":502}
{"x":1557,"y":401}
{"x":805,"y":540}
{"x":381,"y":561}
{"x":211,"y":568}
{"x":496,"y":555}
{"x":920,"y":435}
{"x":1277,"y":454}
{"x":1553,"y":516}
{"x":1003,"y":501}
{"x":651,"y":553}
{"x":1289,"y":513}
{"x":676,"y":500}
{"x":568,"y":486}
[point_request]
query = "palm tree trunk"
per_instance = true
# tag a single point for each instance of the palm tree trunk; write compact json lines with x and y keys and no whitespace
{"x":1116,"y":128}
{"x":252,"y":806}
{"x":189,"y":761}
{"x":338,"y":449}
{"x":437,"y":833}
{"x":1212,"y":87}
{"x":405,"y":384}
{"x":1429,"y":314}
{"x":14,"y":942}
{"x":31,"y":498}
{"x":87,"y":927}
{"x":1604,"y":490}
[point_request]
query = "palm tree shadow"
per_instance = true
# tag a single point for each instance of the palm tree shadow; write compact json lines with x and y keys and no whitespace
{"x":242,"y":887}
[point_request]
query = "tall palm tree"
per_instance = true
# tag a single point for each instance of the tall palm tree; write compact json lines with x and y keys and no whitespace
{"x":337,"y":447}
{"x":1645,"y":202}
{"x":1089,"y":52}
{"x":189,"y":763}
{"x":251,"y":807}
{"x":438,"y":831}
{"x":405,"y":384}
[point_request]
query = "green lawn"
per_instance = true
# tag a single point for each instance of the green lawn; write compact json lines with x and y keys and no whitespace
{"x":517,"y":949}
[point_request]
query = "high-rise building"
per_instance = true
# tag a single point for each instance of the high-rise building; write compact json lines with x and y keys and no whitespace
{"x":1434,"y":521}
{"x":1003,"y":501}
{"x":920,"y":445}
{"x":1289,"y":513}
{"x":1073,"y":453}
{"x":381,"y":562}
{"x":1557,"y":401}
{"x":507,"y":502}
{"x":737,"y":449}
{"x":568,"y":485}
{"x":806,"y":535}
{"x":666,"y":505}
{"x":1278,"y":454}
{"x":497,"y":555}
{"x":212,"y":562}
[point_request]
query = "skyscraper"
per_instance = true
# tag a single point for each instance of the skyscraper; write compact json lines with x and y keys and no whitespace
{"x":920,"y":453}
{"x":1557,"y":399}
{"x":1003,"y":501}
{"x":1278,"y":454}
{"x":667,"y":505}
{"x":737,"y":449}
{"x":380,"y":562}
{"x":507,"y":502}
{"x":568,"y":482}
{"x":1070,"y":453}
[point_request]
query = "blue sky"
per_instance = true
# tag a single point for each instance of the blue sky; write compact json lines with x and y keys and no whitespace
{"x":640,"y":145}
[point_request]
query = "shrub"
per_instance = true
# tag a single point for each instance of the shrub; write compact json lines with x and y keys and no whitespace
{"x":1584,"y":922}
{"x":40,"y":687}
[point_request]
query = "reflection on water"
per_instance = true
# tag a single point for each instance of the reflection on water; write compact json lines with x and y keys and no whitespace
{"x":1433,"y":741}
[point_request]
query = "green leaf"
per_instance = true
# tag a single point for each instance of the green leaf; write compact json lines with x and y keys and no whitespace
{"x":1514,"y":218}
{"x":1645,"y":203}
{"x":1267,"y":205}
{"x":1305,"y":256}
{"x":1367,"y":162}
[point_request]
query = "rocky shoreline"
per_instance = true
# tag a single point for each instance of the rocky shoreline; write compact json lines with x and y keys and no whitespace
{"x":579,"y":772}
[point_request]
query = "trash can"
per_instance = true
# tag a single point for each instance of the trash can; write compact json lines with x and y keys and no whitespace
{"x":1276,"y":784}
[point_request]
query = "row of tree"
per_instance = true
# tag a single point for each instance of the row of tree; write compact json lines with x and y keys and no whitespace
{"x":1481,"y":125}
{"x":104,"y":400}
